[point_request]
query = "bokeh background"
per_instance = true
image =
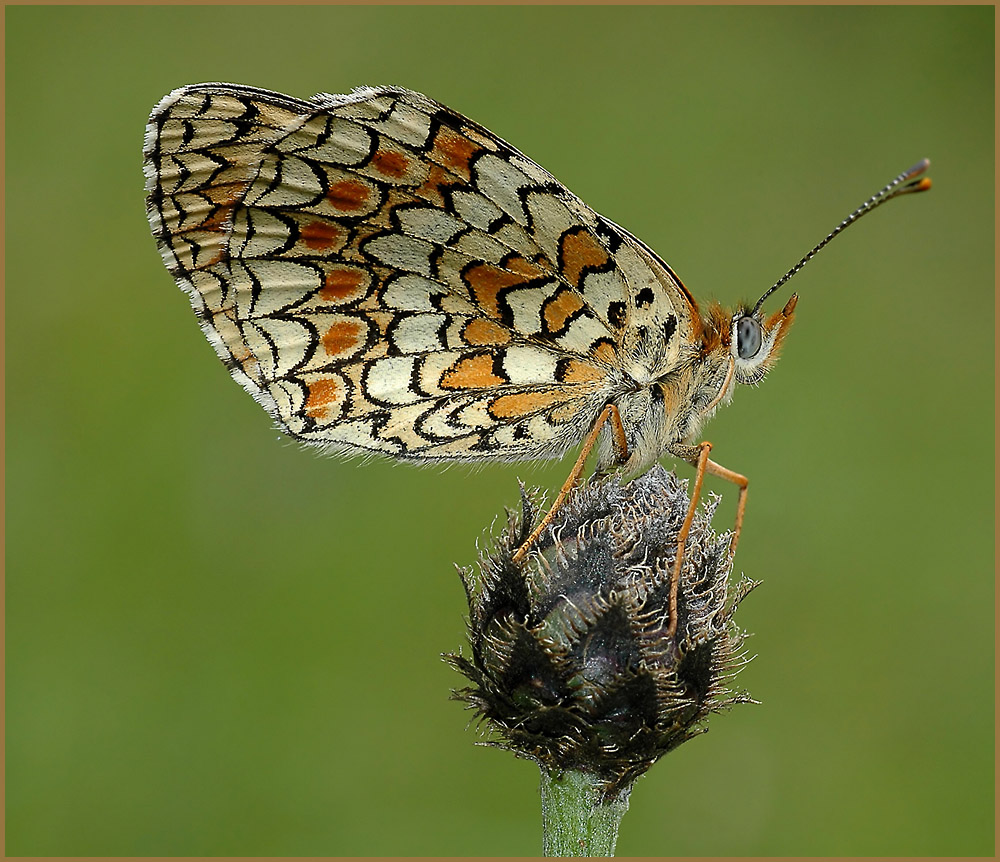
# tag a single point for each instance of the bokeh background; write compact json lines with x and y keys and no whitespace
{"x":221,"y":644}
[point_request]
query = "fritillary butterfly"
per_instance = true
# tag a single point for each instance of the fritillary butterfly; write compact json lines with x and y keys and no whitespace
{"x":386,"y":276}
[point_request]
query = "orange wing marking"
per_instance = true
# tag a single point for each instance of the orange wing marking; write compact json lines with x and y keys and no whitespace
{"x":323,"y":394}
{"x":577,"y":250}
{"x":481,"y":332}
{"x":320,"y":235}
{"x":341,"y":284}
{"x":343,"y":337}
{"x":472,"y":372}
{"x":510,"y":406}
{"x":347,"y":195}
{"x":389,"y":163}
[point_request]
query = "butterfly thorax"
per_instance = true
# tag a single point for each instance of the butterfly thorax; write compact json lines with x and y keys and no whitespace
{"x":677,"y":403}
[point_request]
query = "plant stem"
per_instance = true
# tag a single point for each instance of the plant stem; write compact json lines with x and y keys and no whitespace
{"x":576,"y":819}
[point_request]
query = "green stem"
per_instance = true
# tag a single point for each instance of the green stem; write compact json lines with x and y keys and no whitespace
{"x":576,"y":819}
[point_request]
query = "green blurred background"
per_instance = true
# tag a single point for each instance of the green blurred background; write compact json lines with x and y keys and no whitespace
{"x":221,"y":644}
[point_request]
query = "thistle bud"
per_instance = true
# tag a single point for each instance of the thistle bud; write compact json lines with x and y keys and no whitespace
{"x":573,"y":662}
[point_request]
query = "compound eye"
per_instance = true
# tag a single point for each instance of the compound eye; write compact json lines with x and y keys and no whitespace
{"x":748,"y":337}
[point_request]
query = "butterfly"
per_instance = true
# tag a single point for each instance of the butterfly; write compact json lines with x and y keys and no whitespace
{"x":384,"y":275}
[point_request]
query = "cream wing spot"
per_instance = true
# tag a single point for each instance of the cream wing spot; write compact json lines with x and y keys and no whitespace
{"x":278,"y":344}
{"x":526,"y":305}
{"x":442,"y":422}
{"x":475,"y":246}
{"x":417,"y":333}
{"x":525,"y":365}
{"x":349,"y":436}
{"x":401,"y":252}
{"x":475,"y":209}
{"x":406,"y":124}
{"x":535,"y":431}
{"x":281,"y":297}
{"x":429,"y":224}
{"x":513,"y":236}
{"x":475,"y":414}
{"x":285,"y":181}
{"x":301,"y":133}
{"x":289,"y":398}
{"x":601,"y":290}
{"x":551,"y":220}
{"x":199,"y":250}
{"x":365,"y":104}
{"x":257,"y":233}
{"x":190,"y":172}
{"x":499,"y":181}
{"x":271,"y":116}
{"x":340,"y":142}
{"x":403,"y":427}
{"x":582,"y":334}
{"x":267,"y":286}
{"x":206,"y":133}
{"x":412,"y":293}
{"x":387,"y":381}
{"x":208,"y":291}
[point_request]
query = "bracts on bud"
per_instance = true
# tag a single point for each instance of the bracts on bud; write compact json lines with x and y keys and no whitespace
{"x":572,"y":665}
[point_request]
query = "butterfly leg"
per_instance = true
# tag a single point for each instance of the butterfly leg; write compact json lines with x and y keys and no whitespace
{"x":698,"y":457}
{"x":741,"y":482}
{"x":608,"y":416}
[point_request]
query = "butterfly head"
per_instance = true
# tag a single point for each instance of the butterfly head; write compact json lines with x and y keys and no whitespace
{"x":755,"y":340}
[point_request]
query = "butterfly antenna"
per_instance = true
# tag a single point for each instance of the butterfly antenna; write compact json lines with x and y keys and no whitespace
{"x":905,"y":183}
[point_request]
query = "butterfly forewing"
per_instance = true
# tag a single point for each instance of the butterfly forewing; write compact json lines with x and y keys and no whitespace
{"x":382,"y":274}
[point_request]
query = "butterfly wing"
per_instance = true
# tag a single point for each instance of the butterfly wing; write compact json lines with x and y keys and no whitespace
{"x":384,"y":275}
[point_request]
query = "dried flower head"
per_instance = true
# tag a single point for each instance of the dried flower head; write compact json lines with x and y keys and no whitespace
{"x":572,"y":662}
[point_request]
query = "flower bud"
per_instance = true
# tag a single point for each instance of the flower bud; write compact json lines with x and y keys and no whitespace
{"x":573,"y":664}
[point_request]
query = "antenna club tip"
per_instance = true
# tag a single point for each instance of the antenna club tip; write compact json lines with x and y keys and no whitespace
{"x":903,"y":184}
